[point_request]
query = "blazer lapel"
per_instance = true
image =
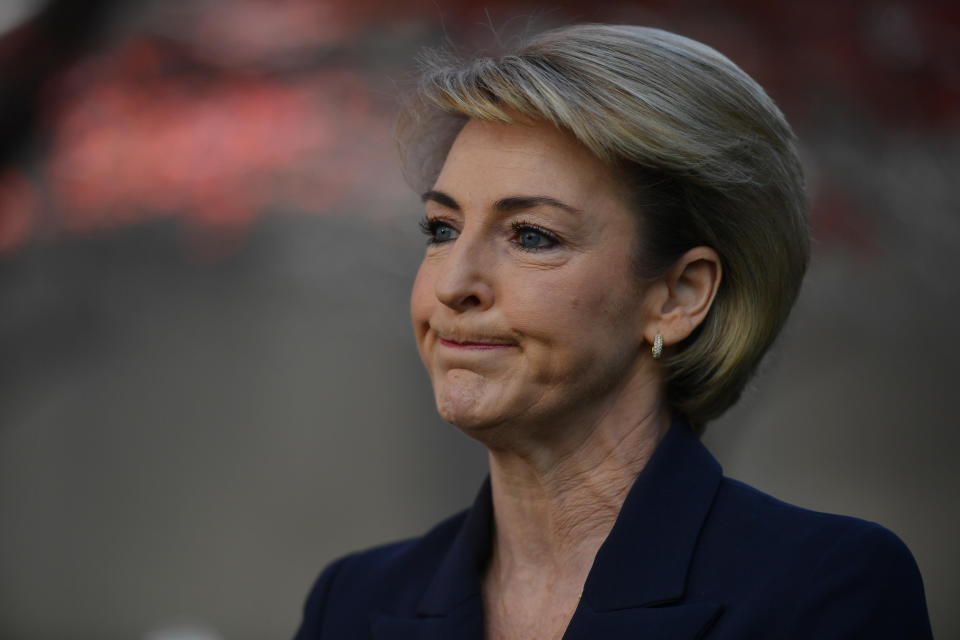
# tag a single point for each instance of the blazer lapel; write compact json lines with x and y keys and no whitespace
{"x":681,"y":622}
{"x":639,"y":576}
{"x":451,"y":606}
{"x":465,"y":622}
{"x":637,"y":580}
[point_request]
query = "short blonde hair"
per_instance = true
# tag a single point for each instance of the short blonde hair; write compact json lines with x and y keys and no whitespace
{"x":706,"y":155}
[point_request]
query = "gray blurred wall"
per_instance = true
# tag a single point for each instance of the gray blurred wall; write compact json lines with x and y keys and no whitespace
{"x":198,"y":441}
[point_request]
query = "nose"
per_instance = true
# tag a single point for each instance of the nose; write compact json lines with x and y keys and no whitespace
{"x":465,"y":279}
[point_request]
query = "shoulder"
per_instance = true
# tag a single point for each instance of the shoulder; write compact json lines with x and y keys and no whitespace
{"x":811,"y":571}
{"x":387,"y":576}
{"x":742,"y":510}
{"x":774,"y":526}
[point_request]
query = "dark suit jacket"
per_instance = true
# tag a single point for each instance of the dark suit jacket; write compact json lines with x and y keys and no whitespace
{"x":691,"y":555}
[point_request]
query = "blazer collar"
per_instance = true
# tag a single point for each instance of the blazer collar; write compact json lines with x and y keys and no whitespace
{"x":643,"y":562}
{"x":458,"y":577}
{"x":451,"y":606}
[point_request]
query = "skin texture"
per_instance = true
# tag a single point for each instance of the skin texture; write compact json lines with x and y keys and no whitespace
{"x":536,"y":335}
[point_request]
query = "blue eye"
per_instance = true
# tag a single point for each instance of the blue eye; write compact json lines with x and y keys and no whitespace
{"x":437,"y":230}
{"x":530,"y":237}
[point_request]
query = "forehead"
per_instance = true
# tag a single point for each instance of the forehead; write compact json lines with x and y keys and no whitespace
{"x":491,"y":159}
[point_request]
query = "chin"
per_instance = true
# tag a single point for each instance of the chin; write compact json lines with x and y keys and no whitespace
{"x":466,"y":416}
{"x":465,"y":399}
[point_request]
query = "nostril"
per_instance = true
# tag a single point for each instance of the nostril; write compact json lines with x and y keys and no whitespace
{"x":471,"y":301}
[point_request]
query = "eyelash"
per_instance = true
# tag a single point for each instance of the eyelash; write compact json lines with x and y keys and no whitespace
{"x":521,"y":226}
{"x":429,"y":227}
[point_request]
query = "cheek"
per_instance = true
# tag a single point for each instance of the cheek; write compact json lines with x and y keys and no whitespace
{"x":421,"y":301}
{"x":562,"y":307}
{"x":577,"y":323}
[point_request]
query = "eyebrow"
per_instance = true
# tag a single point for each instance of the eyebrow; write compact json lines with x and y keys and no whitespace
{"x":503,"y":205}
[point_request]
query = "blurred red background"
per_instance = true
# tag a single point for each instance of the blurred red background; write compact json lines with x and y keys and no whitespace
{"x":219,"y":112}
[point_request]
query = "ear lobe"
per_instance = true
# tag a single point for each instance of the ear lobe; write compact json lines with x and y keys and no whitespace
{"x":686,"y":293}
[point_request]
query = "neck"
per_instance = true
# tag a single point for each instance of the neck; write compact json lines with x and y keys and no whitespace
{"x":555,"y":504}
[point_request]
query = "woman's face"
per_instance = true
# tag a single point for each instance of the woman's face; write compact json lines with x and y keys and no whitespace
{"x":525,"y":307}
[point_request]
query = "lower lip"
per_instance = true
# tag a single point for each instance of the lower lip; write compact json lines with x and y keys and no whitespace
{"x":474,"y":346}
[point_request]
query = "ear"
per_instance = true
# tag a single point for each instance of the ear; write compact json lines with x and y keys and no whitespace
{"x":681,"y":298}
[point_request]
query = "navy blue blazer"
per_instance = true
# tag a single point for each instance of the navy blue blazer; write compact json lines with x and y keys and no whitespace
{"x":691,"y":555}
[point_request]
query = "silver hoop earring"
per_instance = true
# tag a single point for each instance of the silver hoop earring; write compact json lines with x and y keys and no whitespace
{"x":657,"y":349}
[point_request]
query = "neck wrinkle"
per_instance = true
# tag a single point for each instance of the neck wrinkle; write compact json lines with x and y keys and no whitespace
{"x":552,"y":513}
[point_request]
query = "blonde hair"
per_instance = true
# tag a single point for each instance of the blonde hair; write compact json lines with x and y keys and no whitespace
{"x":707,"y":157}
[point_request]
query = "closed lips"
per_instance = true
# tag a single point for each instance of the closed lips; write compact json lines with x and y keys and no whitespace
{"x":474,"y":344}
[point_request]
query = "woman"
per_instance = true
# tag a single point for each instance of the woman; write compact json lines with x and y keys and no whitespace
{"x":616,"y":226}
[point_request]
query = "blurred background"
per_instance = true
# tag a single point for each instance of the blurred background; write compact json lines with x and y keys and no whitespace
{"x":209,"y":384}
